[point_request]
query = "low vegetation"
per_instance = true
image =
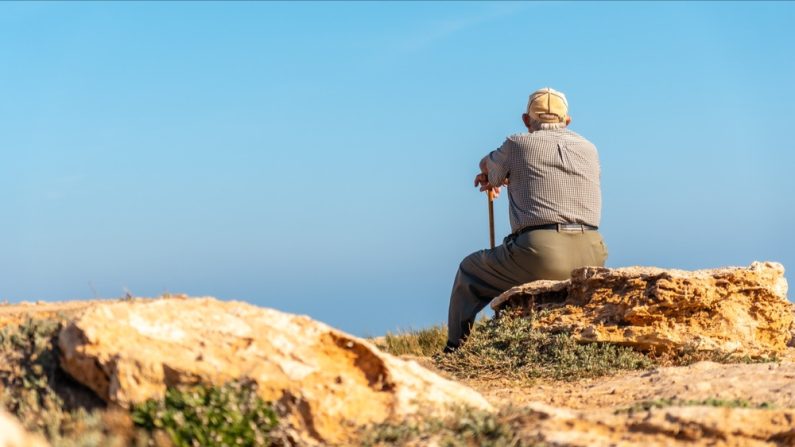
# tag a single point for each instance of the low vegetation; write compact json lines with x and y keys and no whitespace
{"x":463,"y":428}
{"x":423,"y":342}
{"x":36,"y":391}
{"x":713,"y":402}
{"x":230,"y":415}
{"x":48,"y":402}
{"x":510,"y":347}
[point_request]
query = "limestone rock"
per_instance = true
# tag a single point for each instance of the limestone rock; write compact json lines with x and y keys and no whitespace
{"x":326,"y":382}
{"x":13,"y":435}
{"x":730,"y":310}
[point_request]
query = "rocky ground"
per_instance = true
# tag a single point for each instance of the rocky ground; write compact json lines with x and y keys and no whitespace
{"x":706,"y":403}
{"x":759,"y":385}
{"x":110,"y":365}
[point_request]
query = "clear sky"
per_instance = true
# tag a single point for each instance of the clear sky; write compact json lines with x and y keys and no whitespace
{"x":318,"y":157}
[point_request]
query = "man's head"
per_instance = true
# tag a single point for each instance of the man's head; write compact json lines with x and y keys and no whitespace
{"x":546,"y":109}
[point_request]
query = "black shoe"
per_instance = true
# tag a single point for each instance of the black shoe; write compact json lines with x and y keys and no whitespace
{"x":449,"y":348}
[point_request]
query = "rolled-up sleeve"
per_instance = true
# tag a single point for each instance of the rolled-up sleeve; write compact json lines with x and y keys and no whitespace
{"x":497,"y":162}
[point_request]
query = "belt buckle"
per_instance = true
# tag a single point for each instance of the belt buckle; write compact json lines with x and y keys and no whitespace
{"x":571,"y":228}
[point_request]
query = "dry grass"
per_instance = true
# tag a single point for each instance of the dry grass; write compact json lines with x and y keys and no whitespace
{"x":509,"y":347}
{"x":423,"y":342}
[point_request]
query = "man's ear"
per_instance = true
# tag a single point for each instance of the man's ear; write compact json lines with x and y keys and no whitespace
{"x":526,"y":120}
{"x":568,"y":120}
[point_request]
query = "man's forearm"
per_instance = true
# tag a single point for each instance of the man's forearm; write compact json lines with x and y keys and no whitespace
{"x":483,"y":168}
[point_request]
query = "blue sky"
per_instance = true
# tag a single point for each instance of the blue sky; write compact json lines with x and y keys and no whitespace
{"x":318,"y":157}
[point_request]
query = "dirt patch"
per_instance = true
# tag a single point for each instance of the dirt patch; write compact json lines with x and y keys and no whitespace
{"x":758,"y":383}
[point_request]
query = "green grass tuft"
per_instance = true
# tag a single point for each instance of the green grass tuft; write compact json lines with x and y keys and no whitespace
{"x":230,"y":415}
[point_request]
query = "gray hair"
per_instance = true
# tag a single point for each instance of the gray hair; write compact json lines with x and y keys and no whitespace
{"x":538,"y":125}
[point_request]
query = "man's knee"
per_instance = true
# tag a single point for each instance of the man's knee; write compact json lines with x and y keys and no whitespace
{"x":471,"y":263}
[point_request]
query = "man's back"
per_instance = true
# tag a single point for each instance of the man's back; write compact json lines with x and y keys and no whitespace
{"x":554,"y":178}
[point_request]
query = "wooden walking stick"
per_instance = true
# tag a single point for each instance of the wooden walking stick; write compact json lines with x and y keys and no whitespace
{"x":491,"y":217}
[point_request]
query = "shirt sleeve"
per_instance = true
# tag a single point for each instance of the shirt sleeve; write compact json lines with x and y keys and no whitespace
{"x":497,"y":163}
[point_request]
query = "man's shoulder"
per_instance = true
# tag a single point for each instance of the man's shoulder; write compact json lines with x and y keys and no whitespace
{"x":574,"y":136}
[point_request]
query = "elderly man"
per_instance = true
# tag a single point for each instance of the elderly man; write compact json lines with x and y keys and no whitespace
{"x":555,"y":207}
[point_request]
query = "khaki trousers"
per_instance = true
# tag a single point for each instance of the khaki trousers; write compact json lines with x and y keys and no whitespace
{"x":534,"y":255}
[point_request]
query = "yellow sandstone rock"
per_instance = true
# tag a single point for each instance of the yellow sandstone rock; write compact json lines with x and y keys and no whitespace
{"x":742,"y":311}
{"x":326,"y":382}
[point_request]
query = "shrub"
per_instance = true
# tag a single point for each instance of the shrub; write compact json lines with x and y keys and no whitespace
{"x":28,"y":364}
{"x":31,"y":379}
{"x":510,"y":347}
{"x":230,"y":415}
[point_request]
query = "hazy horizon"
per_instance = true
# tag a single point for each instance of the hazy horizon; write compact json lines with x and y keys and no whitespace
{"x":318,"y":157}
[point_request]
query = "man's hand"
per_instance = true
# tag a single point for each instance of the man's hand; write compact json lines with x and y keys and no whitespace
{"x":482,"y":180}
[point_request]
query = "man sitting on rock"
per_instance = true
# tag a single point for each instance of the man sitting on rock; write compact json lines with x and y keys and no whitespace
{"x":555,"y":207}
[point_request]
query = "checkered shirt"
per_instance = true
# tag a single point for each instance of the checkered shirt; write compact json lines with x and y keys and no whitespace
{"x":554,"y":178}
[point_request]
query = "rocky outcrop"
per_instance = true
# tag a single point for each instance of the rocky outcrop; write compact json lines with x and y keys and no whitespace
{"x":740,"y":311}
{"x":13,"y":435}
{"x":326,"y":383}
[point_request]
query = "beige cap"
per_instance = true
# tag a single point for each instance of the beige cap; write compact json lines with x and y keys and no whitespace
{"x":548,"y":106}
